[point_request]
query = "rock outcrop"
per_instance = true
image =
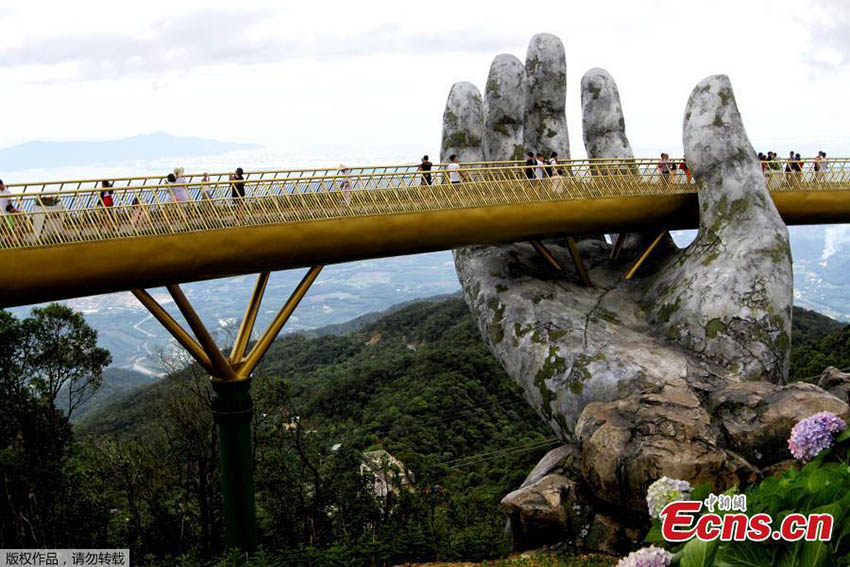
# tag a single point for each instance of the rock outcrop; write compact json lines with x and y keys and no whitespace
{"x":836,"y":383}
{"x":545,"y":109}
{"x":463,"y":124}
{"x":504,"y":109}
{"x":678,"y":372}
{"x":728,"y":295}
{"x":603,"y":123}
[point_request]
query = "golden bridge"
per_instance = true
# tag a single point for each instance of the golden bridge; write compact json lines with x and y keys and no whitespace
{"x":67,"y":239}
{"x":65,"y":243}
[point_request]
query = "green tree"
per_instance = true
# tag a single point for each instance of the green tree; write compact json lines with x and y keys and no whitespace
{"x":61,"y":356}
{"x":38,"y":356}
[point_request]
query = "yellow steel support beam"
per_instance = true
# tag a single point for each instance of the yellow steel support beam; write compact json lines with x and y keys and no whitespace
{"x":618,"y":246}
{"x":250,"y":362}
{"x":543,"y":251}
{"x":247,"y":326}
{"x":173,"y":327}
{"x":630,"y":274}
{"x":221,"y":367}
{"x":576,"y":256}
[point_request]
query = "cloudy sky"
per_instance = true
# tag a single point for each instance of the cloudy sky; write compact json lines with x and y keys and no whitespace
{"x":373,"y":76}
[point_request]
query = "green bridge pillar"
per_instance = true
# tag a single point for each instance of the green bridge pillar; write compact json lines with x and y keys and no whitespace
{"x":233,"y":411}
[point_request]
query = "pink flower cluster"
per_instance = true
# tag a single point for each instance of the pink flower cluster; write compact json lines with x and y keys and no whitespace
{"x":647,"y":557}
{"x":814,"y":434}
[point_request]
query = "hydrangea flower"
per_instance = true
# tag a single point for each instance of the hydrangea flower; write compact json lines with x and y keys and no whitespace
{"x":647,"y":557}
{"x":814,"y":434}
{"x":664,"y":491}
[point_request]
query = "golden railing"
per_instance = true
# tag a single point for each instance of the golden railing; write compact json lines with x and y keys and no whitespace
{"x":62,"y":212}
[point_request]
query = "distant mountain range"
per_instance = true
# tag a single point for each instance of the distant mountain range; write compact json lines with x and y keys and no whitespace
{"x":144,"y":147}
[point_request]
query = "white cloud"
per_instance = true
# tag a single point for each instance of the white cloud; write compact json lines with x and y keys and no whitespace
{"x":373,"y":76}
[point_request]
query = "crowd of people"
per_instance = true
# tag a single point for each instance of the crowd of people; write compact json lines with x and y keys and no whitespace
{"x":537,"y":166}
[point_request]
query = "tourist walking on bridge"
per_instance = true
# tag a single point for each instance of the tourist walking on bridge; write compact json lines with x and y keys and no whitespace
{"x":181,"y":192}
{"x":107,"y":201}
{"x":237,"y":189}
{"x":530,"y":162}
{"x":106,"y":194}
{"x":425,"y":167}
{"x":7,"y":209}
{"x":821,"y":166}
{"x":539,"y":172}
{"x":455,"y":174}
{"x":552,"y":169}
{"x":665,"y":168}
{"x":345,"y":183}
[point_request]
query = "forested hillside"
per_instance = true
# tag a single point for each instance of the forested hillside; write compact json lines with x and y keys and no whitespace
{"x":417,"y":382}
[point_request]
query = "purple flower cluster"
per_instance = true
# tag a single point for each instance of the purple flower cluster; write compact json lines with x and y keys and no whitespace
{"x":647,"y":557}
{"x":814,"y":434}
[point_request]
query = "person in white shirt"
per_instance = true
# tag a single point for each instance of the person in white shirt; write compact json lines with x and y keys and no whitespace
{"x":455,"y":174}
{"x":6,"y":204}
{"x":538,"y":171}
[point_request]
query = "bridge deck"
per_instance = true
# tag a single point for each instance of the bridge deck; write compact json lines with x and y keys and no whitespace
{"x":65,"y":242}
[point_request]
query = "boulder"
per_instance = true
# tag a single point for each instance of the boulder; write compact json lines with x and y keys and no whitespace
{"x":628,"y":444}
{"x":610,"y":535}
{"x":543,"y":512}
{"x":756,"y":417}
{"x":560,"y":460}
{"x":836,"y":383}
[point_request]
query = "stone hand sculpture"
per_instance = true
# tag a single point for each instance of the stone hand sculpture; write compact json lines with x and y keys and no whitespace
{"x":678,"y":372}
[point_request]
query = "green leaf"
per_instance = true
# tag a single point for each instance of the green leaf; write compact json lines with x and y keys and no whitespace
{"x":698,"y":553}
{"x":816,"y":553}
{"x":744,"y":554}
{"x":701,"y":492}
{"x":843,"y":436}
{"x":654,"y":535}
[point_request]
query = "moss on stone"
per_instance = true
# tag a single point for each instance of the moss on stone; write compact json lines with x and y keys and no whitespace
{"x":672,"y":332}
{"x":552,"y":365}
{"x":780,"y":251}
{"x":555,"y":335}
{"x":538,"y":297}
{"x":783,"y":342}
{"x":606,"y":315}
{"x":593,"y":89}
{"x":726,"y":96}
{"x":500,"y":129}
{"x":738,"y":207}
{"x":579,"y":374}
{"x":450,"y":119}
{"x":501,"y":288}
{"x":714,"y":327}
{"x":461,"y":140}
{"x":492,"y":87}
{"x":711,"y":257}
{"x":666,"y":310}
{"x":520,"y":332}
{"x":497,"y":330}
{"x":718,"y":121}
